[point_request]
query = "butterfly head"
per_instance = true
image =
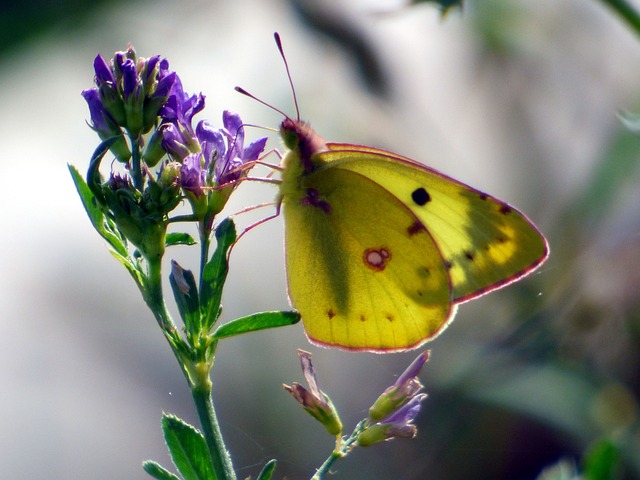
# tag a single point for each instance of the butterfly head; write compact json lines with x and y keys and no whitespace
{"x":299,"y":137}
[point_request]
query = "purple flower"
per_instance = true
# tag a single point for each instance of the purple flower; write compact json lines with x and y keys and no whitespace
{"x":193,"y":175}
{"x":130,"y":81}
{"x":132,"y":89}
{"x":180,"y":107}
{"x":101,"y":121}
{"x":227,"y":169}
{"x":104,"y":124}
{"x":103,"y":72}
{"x":392,"y":414}
{"x":398,"y":425}
{"x":314,"y":400}
{"x":406,"y":387}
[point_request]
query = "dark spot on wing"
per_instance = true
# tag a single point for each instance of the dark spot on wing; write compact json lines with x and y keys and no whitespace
{"x":420,"y":196}
{"x":331,"y":314}
{"x":468,"y":256}
{"x":505,"y":209}
{"x":415,"y":228}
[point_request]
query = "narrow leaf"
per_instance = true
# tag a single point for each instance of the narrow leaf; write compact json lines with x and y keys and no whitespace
{"x":179,"y":238}
{"x":601,"y":461}
{"x":256,"y":321}
{"x":103,"y":224}
{"x":94,"y":178}
{"x":158,"y":472}
{"x":267,"y":471}
{"x":188,"y":449}
{"x":215,"y":273}
{"x":185,"y":291}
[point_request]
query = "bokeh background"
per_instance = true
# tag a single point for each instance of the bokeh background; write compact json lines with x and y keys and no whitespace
{"x":519,"y":98}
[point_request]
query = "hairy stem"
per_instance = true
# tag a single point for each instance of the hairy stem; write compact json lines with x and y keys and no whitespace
{"x":220,"y":457}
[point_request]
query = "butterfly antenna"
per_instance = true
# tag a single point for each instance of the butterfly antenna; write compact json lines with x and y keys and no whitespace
{"x":276,"y":35}
{"x":250,"y":95}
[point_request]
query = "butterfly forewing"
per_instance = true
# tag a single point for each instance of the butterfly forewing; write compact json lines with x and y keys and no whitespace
{"x":484,"y":243}
{"x":362,"y":270}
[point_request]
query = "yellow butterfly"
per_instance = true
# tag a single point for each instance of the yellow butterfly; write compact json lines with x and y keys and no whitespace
{"x":381,"y":249}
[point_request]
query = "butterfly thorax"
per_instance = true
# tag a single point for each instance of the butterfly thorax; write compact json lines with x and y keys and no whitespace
{"x":304,"y":144}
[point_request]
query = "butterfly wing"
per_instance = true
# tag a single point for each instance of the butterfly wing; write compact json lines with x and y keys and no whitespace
{"x":485,"y":243}
{"x":360,"y":273}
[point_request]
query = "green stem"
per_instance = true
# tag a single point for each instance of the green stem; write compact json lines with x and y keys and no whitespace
{"x":324,"y":468}
{"x":343,"y":447}
{"x":220,"y":457}
{"x":153,"y":295}
{"x":205,"y":243}
{"x":136,"y":171}
{"x":627,"y":12}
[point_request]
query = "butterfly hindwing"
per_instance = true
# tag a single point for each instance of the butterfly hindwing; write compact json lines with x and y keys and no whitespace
{"x":362,"y":269}
{"x":485,"y":243}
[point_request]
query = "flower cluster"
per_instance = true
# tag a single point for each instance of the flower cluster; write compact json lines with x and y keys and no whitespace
{"x":391,"y":415}
{"x":140,"y":110}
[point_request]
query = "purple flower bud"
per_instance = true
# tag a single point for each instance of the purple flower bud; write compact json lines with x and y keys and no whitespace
{"x":164,"y":86}
{"x":406,"y":387}
{"x":129,"y":79}
{"x":398,"y":425}
{"x":104,"y":125}
{"x":149,"y":73}
{"x":173,"y":141}
{"x":101,"y":121}
{"x":315,"y":401}
{"x":103,"y":72}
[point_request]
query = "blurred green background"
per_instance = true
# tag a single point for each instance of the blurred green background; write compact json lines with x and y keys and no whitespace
{"x":519,"y":98}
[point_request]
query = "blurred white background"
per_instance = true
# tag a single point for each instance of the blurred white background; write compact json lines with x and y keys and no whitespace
{"x":85,"y":373}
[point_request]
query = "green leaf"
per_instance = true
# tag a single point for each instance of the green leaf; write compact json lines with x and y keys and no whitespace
{"x":215,"y":273}
{"x":188,"y":449}
{"x":601,"y":461}
{"x":179,"y":238}
{"x":185,"y":291}
{"x":267,"y":471}
{"x":94,"y":178}
{"x":158,"y":472}
{"x":102,"y":223}
{"x":257,"y":321}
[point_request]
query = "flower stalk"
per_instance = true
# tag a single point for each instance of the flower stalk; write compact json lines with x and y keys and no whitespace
{"x":144,"y":118}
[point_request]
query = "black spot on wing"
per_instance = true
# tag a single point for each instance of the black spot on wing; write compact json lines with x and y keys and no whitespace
{"x":420,"y":196}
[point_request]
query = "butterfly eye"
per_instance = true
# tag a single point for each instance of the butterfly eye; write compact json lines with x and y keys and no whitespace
{"x":420,"y":196}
